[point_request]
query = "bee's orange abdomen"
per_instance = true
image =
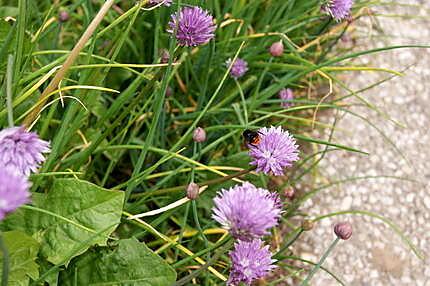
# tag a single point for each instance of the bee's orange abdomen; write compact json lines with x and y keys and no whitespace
{"x":256,"y":140}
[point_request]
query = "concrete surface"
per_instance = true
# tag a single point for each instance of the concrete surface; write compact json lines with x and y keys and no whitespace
{"x":375,"y":255}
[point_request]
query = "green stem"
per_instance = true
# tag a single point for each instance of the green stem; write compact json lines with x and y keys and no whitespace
{"x":155,"y":124}
{"x":69,"y":61}
{"x":317,"y":267}
{"x":197,"y":222}
{"x":242,"y":96}
{"x":5,"y":273}
{"x":183,"y":187}
{"x":214,"y":259}
{"x":9,"y":77}
{"x":297,"y":233}
{"x":183,"y":226}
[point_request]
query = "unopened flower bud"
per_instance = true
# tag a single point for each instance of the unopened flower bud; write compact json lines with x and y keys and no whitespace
{"x":63,"y":16}
{"x":277,"y":49}
{"x":169,"y":91}
{"x":307,"y":224}
{"x":289,"y":192}
{"x":343,"y":230}
{"x":164,"y":56}
{"x":274,"y":183}
{"x":192,"y":191}
{"x":199,"y":135}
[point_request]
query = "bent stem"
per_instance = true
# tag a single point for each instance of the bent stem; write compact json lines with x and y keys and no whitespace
{"x":318,"y":266}
{"x":69,"y":61}
{"x":205,"y":183}
{"x":5,"y":272}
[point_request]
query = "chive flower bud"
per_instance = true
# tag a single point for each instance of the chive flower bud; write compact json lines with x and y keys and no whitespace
{"x":343,"y":230}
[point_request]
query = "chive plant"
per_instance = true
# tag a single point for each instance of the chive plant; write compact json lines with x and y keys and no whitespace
{"x":122,"y":155}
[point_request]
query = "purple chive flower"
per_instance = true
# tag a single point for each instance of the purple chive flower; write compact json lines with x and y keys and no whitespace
{"x":338,"y":9}
{"x":276,"y":150}
{"x":194,"y":26}
{"x":286,"y":94}
{"x":156,"y":2}
{"x":250,"y":261}
{"x":13,"y":192}
{"x":21,"y":152}
{"x":247,"y":211}
{"x":238,"y":69}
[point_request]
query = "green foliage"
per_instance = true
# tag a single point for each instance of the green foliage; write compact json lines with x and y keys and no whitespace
{"x":130,"y":262}
{"x":72,"y":212}
{"x":23,"y":251}
{"x":131,"y":151}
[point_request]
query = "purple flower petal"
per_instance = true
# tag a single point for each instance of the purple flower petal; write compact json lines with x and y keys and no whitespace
{"x":13,"y":192}
{"x":247,"y":211}
{"x":286,"y":94}
{"x":276,"y":151}
{"x":238,"y":69}
{"x":194,"y":26}
{"x":338,"y":9}
{"x":21,"y":152}
{"x":250,"y":261}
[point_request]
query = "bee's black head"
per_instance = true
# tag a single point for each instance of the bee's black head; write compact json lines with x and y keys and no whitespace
{"x":249,"y":135}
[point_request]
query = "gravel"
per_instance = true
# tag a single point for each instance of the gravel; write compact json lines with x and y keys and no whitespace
{"x":376,"y":255}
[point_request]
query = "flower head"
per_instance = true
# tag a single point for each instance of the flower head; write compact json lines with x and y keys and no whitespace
{"x":276,"y":150}
{"x":192,"y":191}
{"x":289,"y":192}
{"x":250,"y":261}
{"x":164,"y":56}
{"x":286,"y":94}
{"x":194,"y":26}
{"x":63,"y":16}
{"x":199,"y":135}
{"x":21,"y":152}
{"x":13,"y":192}
{"x":338,"y":9}
{"x":238,"y":69}
{"x":247,"y":211}
{"x":164,"y":2}
{"x":277,"y":49}
{"x":169,"y":91}
{"x":343,"y":230}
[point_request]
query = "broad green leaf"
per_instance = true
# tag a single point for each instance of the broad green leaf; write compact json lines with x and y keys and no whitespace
{"x":84,"y":203}
{"x":23,"y":251}
{"x":130,"y":263}
{"x":72,"y":212}
{"x":52,"y":278}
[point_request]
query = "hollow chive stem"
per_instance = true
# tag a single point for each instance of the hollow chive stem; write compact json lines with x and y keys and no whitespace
{"x":318,"y":265}
{"x":213,"y":260}
{"x":242,"y":96}
{"x":9,"y":104}
{"x":5,"y":269}
{"x":194,"y":203}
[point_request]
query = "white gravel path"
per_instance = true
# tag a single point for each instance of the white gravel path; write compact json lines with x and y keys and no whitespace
{"x":375,"y":255}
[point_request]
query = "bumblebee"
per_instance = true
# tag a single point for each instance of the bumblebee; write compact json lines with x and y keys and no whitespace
{"x":251,"y":137}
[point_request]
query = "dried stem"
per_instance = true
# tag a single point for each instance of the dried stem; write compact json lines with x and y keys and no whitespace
{"x":69,"y":61}
{"x":183,"y":187}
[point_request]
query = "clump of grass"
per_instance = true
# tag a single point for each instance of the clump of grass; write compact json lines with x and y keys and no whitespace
{"x":119,"y":99}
